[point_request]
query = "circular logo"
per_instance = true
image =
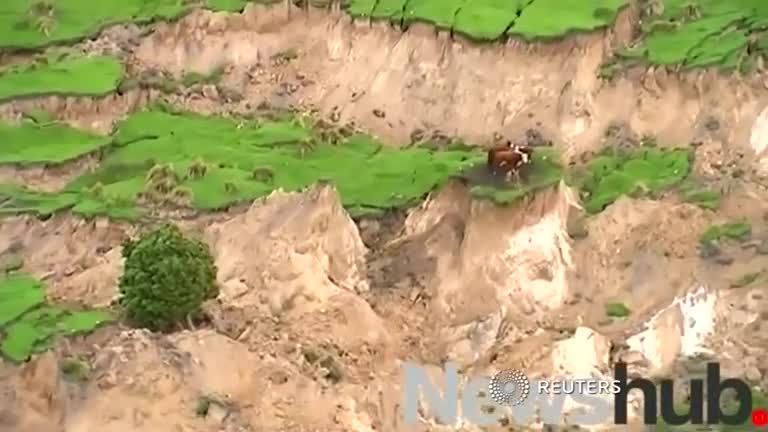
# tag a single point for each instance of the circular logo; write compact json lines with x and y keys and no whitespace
{"x":509,"y":387}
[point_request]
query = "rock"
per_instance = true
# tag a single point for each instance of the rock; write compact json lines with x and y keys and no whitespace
{"x":210,"y":91}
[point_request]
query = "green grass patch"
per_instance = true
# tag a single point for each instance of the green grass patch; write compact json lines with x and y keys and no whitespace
{"x":739,"y":231}
{"x":34,"y":143}
{"x":617,"y":310}
{"x":644,"y":172}
{"x":441,"y":13}
{"x":487,"y":20}
{"x":28,"y":325}
{"x":193,"y":78}
{"x":545,"y":171}
{"x":79,"y":76}
{"x":32,"y":24}
{"x":18,"y":294}
{"x":721,"y":33}
{"x":556,"y":18}
{"x":210,"y":163}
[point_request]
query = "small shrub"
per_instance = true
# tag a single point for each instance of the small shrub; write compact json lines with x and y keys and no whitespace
{"x":617,"y":310}
{"x":167,"y":277}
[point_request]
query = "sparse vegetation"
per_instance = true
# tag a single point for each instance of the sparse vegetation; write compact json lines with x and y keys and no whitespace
{"x":645,"y":172}
{"x":701,"y":196}
{"x":190,"y":79}
{"x":167,"y":278}
{"x":73,"y":370}
{"x":739,"y":231}
{"x":325,"y":360}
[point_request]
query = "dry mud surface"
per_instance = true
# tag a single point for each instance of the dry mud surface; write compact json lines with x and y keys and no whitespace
{"x":317,"y":311}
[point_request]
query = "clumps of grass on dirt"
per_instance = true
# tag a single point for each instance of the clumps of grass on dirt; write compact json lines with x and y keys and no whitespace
{"x":190,"y":79}
{"x":28,"y":325}
{"x":739,"y":231}
{"x":701,"y":196}
{"x":617,"y":310}
{"x":729,"y":34}
{"x":543,"y":172}
{"x":78,"y":76}
{"x":73,"y":370}
{"x":643,"y":172}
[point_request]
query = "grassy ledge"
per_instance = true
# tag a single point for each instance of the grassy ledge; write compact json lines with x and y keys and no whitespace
{"x":166,"y":158}
{"x":55,"y":143}
{"x":29,"y":325}
{"x":728,"y":34}
{"x":79,"y":76}
{"x":488,"y":20}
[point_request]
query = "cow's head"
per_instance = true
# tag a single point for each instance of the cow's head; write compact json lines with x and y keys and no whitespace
{"x":525,"y":152}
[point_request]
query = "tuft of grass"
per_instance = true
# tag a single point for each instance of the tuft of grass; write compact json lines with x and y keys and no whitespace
{"x":703,"y":197}
{"x":746,"y":279}
{"x":190,"y":79}
{"x":73,"y":370}
{"x":617,"y":310}
{"x":740,"y":231}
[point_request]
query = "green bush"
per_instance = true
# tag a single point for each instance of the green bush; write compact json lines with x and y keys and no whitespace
{"x":166,"y":279}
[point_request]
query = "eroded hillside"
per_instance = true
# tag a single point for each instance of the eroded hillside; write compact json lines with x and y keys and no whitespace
{"x":333,"y":162}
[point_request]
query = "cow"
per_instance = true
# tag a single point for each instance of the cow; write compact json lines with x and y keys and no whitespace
{"x":509,"y":159}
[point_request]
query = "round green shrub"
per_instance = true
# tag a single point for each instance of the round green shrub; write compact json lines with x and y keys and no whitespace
{"x":166,"y":279}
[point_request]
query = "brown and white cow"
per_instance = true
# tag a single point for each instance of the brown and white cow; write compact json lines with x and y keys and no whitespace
{"x":509,"y":159}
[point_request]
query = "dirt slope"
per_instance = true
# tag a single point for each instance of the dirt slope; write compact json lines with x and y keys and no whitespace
{"x":317,"y":311}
